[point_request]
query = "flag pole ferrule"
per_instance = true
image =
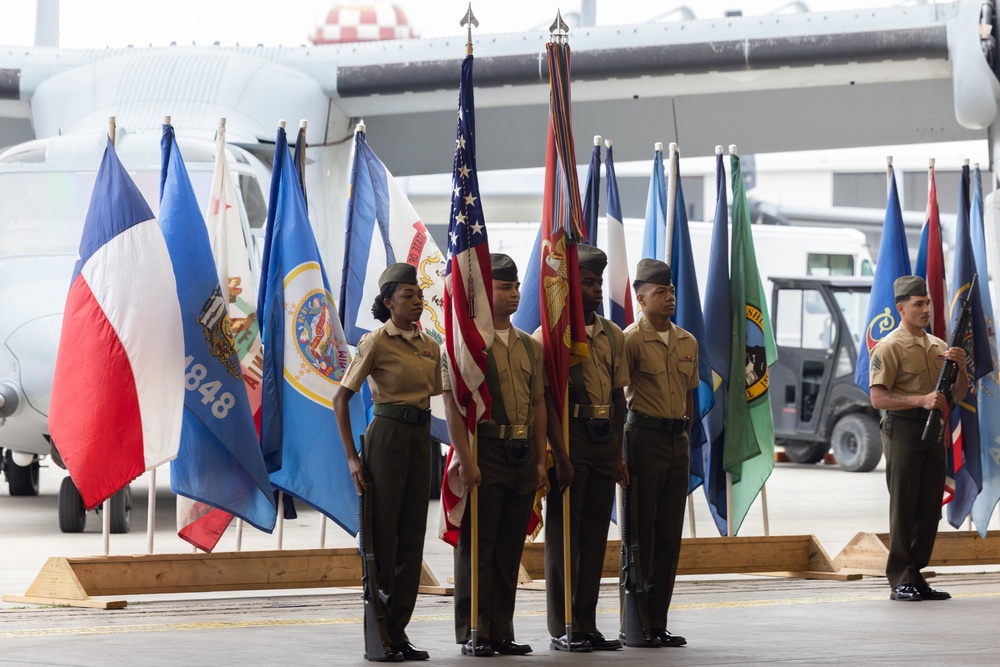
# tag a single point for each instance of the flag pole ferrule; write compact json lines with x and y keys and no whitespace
{"x":718,"y":150}
{"x":732,"y":149}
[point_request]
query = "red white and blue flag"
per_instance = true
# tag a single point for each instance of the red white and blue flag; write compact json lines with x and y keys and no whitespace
{"x":468,"y":302}
{"x":620,"y":290}
{"x":118,"y":390}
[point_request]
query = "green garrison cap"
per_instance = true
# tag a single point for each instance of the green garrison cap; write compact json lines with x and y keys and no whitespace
{"x":592,"y":259}
{"x":504,"y":268}
{"x":400,"y":272}
{"x":652,"y":271}
{"x":907,"y":286}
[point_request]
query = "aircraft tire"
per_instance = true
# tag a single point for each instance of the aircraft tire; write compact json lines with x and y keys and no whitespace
{"x":121,"y":511}
{"x":22,"y":481}
{"x":72,"y":513}
{"x":857,"y":443}
{"x":803,"y":451}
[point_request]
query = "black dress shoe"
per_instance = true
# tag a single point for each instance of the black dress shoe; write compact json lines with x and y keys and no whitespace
{"x":386,"y":657}
{"x":928,"y":593}
{"x":482,"y":650}
{"x":509,"y":647}
{"x":667,"y":639}
{"x":649,"y":641}
{"x":579,"y":643}
{"x":599,"y":643}
{"x":906,"y":593}
{"x":411,"y":652}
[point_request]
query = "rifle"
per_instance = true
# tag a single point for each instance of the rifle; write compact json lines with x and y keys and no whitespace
{"x":378,"y":645}
{"x":949,"y":371}
{"x":637,"y":632}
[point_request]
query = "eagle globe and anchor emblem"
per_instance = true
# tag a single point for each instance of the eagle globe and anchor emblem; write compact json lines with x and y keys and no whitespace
{"x":318,"y":358}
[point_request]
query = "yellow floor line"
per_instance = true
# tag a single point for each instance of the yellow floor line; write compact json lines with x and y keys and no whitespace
{"x":236,"y":625}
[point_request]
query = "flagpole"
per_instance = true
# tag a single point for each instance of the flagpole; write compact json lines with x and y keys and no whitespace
{"x":106,"y":506}
{"x":301,"y":167}
{"x":671,"y":211}
{"x":888,"y":172}
{"x":694,"y":531}
{"x":730,"y":523}
{"x":151,"y":516}
{"x":763,"y":505}
{"x":281,"y":519}
{"x":567,"y":556}
{"x":239,"y":534}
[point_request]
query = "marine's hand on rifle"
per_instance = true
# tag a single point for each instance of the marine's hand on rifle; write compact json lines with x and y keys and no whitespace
{"x":357,"y":473}
{"x":470,"y":475}
{"x":931,"y":401}
{"x":956,"y":354}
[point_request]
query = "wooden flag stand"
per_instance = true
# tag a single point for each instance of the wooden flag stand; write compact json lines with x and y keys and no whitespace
{"x":799,"y":556}
{"x":76,"y":581}
{"x":867,"y":552}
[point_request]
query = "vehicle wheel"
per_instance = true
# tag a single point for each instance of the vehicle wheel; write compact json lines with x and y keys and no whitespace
{"x":121,"y":511}
{"x":72,"y":513}
{"x":802,"y":451}
{"x":22,"y":481}
{"x":857,"y":443}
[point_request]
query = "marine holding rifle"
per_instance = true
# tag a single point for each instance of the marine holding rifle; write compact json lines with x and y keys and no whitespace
{"x":905,"y":367}
{"x":403,"y":368}
{"x":662,"y":363}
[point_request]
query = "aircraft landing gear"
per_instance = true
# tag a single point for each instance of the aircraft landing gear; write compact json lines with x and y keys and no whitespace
{"x":73,"y":515}
{"x":21,"y":480}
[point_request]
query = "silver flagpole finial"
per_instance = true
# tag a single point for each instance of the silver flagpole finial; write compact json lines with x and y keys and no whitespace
{"x":559,"y":31}
{"x":469,"y":20}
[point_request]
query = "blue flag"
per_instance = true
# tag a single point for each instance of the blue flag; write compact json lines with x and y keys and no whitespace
{"x":688,"y":316}
{"x":620,"y":289}
{"x":988,"y":396}
{"x":654,"y":237}
{"x":305,"y":355}
{"x":893,"y":262}
{"x":967,"y":470}
{"x":529,"y":314}
{"x":592,"y":201}
{"x":716,"y":346}
{"x":219,"y":462}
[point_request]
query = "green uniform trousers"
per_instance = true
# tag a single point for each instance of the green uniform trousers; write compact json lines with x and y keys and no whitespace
{"x":506,"y":497}
{"x":591,"y":498}
{"x":914,"y":473}
{"x":398,"y":459}
{"x":658,"y":466}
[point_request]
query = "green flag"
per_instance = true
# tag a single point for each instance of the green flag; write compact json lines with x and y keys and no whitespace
{"x":749,"y":444}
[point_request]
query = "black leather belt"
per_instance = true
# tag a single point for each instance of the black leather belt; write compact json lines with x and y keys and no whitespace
{"x":656,"y":423}
{"x":912,"y":413}
{"x":505,"y":431}
{"x":402,"y":413}
{"x":589,"y":411}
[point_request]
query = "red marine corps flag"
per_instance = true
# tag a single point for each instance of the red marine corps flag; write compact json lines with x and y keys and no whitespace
{"x":564,"y":334}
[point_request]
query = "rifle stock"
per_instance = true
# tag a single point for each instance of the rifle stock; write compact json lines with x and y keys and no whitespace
{"x":378,"y":645}
{"x":949,"y":371}
{"x":637,"y":631}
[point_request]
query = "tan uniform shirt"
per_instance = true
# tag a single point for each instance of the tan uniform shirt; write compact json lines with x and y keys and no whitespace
{"x":597,"y":368}
{"x":909,"y":365}
{"x":661,"y":374}
{"x":519,"y":382}
{"x":400,"y":371}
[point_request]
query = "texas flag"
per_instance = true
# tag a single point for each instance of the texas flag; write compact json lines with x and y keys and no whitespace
{"x":118,"y":390}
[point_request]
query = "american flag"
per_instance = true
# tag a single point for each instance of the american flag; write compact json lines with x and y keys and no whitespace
{"x":468,"y":301}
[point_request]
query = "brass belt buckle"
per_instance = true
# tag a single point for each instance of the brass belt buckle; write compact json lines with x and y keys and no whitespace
{"x":602,"y":412}
{"x":519,"y":432}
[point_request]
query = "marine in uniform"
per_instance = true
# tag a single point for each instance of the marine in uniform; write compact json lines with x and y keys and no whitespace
{"x":511,"y":466}
{"x":905,"y":366}
{"x":662,"y":364}
{"x":597,"y":418}
{"x":403,"y":369}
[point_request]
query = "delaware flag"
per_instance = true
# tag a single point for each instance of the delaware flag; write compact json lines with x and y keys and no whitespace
{"x":988,"y":396}
{"x":716,"y":347}
{"x":930,"y":261}
{"x":966,"y":468}
{"x":688,"y":316}
{"x":620,"y":288}
{"x":219,"y":462}
{"x":305,"y":355}
{"x":893,"y":262}
{"x":654,"y":238}
{"x":118,"y":390}
{"x":468,"y":302}
{"x":749,"y":440}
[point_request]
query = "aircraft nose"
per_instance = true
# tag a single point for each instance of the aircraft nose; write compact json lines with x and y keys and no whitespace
{"x":34,"y":345}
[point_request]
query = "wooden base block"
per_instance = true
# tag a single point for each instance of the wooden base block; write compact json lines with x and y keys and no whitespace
{"x":789,"y":555}
{"x":866,"y":553}
{"x":89,"y":603}
{"x":75,"y":581}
